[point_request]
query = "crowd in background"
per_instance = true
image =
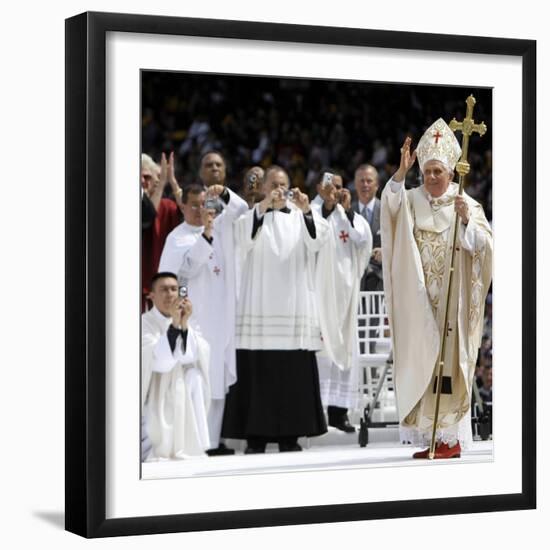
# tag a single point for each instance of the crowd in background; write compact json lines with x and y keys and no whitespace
{"x":302,"y":125}
{"x":305,"y":126}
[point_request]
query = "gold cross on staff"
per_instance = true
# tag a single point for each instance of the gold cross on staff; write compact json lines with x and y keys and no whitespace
{"x":467,"y":127}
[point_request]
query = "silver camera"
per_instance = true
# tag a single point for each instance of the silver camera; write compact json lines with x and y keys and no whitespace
{"x":288,"y":194}
{"x":214,"y":204}
{"x":182,"y":291}
{"x":327,"y":179}
{"x":253,"y":180}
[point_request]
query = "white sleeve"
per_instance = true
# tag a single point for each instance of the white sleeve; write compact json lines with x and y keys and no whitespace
{"x":163,"y":358}
{"x":394,"y":195}
{"x":360,"y":233}
{"x":472,"y":236}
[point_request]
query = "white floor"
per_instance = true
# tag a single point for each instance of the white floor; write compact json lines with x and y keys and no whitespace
{"x":321,"y":456}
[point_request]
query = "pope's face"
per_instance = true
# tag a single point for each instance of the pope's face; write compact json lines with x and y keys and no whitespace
{"x":436,"y":177}
{"x":164,"y":293}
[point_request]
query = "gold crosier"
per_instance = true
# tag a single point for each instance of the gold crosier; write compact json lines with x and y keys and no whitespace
{"x":467,"y":127}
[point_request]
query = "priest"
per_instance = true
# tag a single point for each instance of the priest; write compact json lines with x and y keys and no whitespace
{"x":417,"y":226}
{"x":276,"y":397}
{"x":174,"y":363}
{"x":340,"y":266}
{"x":200,"y":250}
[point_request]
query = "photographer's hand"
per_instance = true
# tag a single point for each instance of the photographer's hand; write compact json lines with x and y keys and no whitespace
{"x":301,"y":200}
{"x":176,"y":313}
{"x":207,"y":218}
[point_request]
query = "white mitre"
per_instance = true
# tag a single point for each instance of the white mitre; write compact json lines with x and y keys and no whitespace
{"x":438,"y":143}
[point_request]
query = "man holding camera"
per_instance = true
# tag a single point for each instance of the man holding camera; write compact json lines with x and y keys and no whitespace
{"x":340,"y":266}
{"x":276,"y":397}
{"x":200,"y":250}
{"x":174,"y":362}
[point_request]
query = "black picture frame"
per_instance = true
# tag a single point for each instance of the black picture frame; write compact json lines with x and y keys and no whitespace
{"x":86,"y":273}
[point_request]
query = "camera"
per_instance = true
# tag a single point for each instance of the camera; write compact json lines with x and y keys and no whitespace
{"x":289,"y":194}
{"x":214,"y":204}
{"x":327,"y":179}
{"x":253,"y":179}
{"x":182,"y":291}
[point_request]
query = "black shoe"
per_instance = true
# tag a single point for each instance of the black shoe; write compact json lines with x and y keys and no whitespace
{"x":220,"y":450}
{"x":343,"y":425}
{"x":338,"y":418}
{"x":285,"y":447}
{"x":254,"y":450}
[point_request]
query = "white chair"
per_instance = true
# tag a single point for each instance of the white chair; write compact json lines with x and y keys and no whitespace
{"x":375,"y":358}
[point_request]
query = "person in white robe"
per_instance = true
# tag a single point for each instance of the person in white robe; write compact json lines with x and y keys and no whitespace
{"x":200,"y":250}
{"x":175,"y":388}
{"x":417,"y":226}
{"x":340,"y":266}
{"x":276,"y":397}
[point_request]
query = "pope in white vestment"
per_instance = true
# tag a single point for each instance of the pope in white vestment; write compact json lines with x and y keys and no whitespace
{"x":340,"y":266}
{"x":175,"y":389}
{"x":205,"y":264}
{"x":416,"y":239}
{"x":276,"y":396}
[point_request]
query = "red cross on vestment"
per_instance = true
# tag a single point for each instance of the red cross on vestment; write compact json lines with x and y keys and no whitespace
{"x":344,"y":236}
{"x":217,"y":270}
{"x":437,"y":135}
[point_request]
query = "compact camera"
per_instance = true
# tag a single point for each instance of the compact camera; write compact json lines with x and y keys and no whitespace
{"x":289,"y":194}
{"x":327,"y":179}
{"x":253,"y":180}
{"x":214,"y":204}
{"x":182,"y":291}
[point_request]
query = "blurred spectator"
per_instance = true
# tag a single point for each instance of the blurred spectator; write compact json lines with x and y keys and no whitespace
{"x":486,"y":389}
{"x":368,"y":205}
{"x":302,"y":124}
{"x":158,"y":223}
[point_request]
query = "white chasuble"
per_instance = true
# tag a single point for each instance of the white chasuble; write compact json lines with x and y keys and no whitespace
{"x":175,"y":390}
{"x":276,"y":308}
{"x":208,"y":271}
{"x":416,"y":242}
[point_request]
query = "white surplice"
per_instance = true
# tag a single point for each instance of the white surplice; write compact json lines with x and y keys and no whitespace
{"x":340,"y":266}
{"x":175,"y":389}
{"x":209,"y":272}
{"x":277,"y":307}
{"x":416,"y":233}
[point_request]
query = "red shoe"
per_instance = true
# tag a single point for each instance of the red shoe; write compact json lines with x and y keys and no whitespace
{"x":444,"y":451}
{"x":422,"y":454}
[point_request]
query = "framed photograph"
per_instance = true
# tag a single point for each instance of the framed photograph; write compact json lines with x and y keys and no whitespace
{"x":146,"y":84}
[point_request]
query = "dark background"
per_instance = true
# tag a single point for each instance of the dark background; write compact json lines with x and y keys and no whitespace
{"x":303,"y":124}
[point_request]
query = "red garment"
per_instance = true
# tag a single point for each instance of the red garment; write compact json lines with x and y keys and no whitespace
{"x":152,"y":242}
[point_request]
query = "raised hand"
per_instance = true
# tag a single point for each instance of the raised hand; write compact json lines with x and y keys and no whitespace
{"x":344,"y":198}
{"x":163,"y":176}
{"x":214,"y":191}
{"x":171,"y":175}
{"x":406,"y":162}
{"x":329,"y":195}
{"x":207,"y":218}
{"x":301,"y":200}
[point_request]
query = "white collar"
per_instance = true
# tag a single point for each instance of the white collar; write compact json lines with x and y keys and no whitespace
{"x":161,"y":317}
{"x":369,"y":205}
{"x":192,"y":228}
